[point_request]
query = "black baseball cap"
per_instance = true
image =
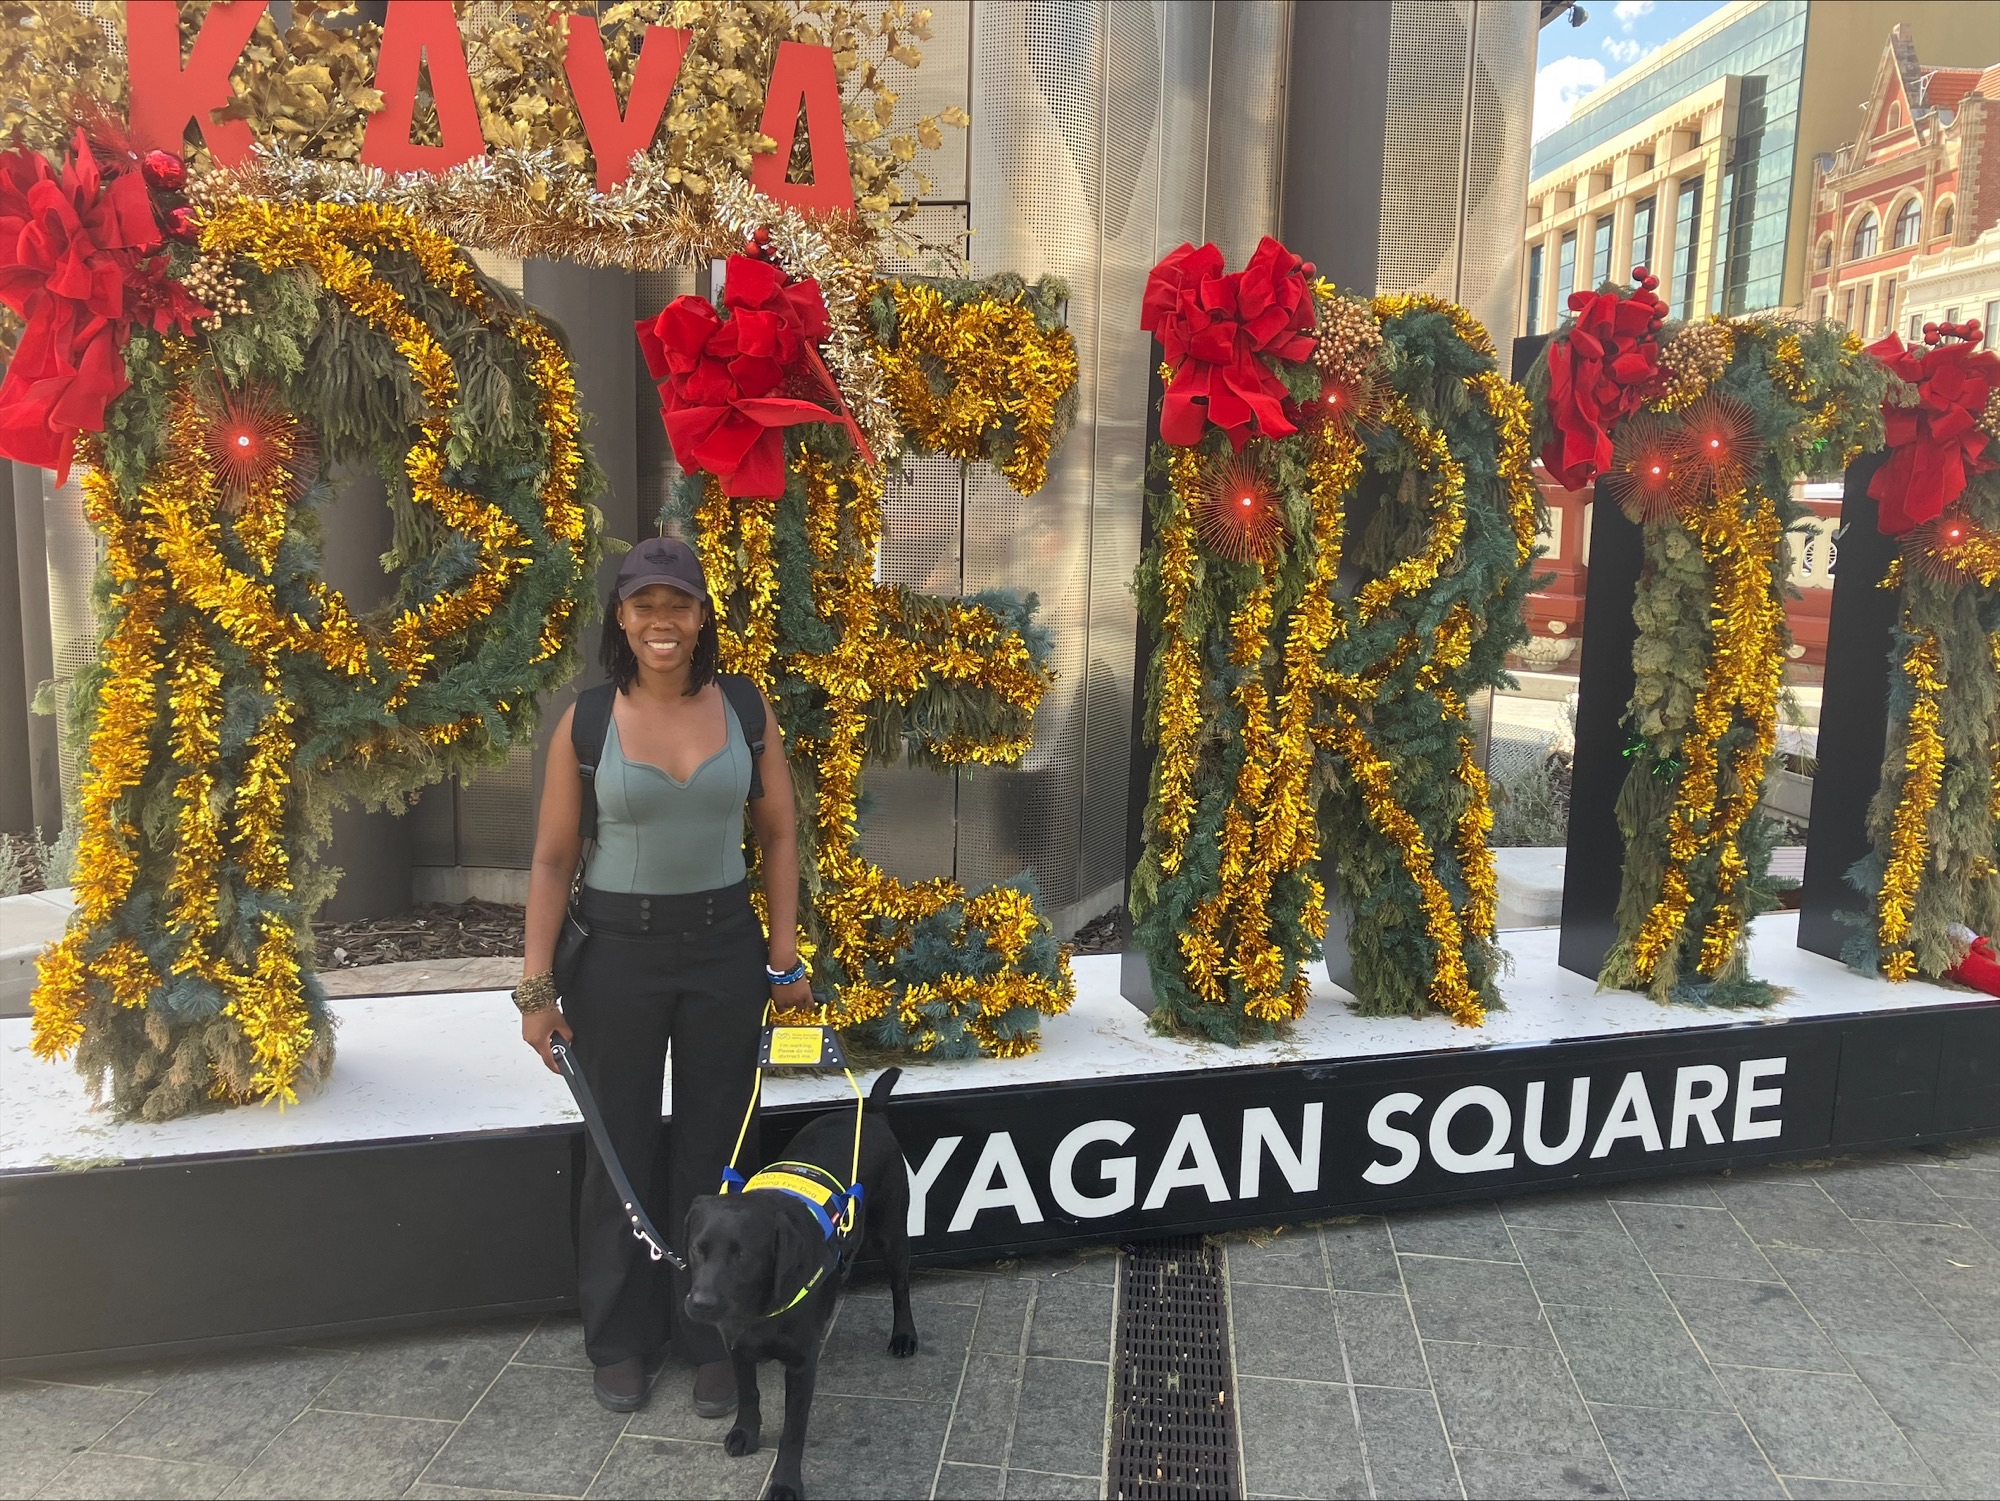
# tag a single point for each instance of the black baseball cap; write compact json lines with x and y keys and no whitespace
{"x":661,"y":560}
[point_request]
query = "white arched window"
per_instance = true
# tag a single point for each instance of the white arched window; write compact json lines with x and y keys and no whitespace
{"x":1893,"y":118}
{"x":1867,"y":234}
{"x":1946,"y":215}
{"x":1909,"y":222}
{"x":1824,"y":258}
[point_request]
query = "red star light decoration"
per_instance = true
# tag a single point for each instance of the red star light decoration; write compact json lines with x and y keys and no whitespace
{"x":1718,"y":444}
{"x":1237,"y":516}
{"x":253,"y":442}
{"x":1647,"y":477}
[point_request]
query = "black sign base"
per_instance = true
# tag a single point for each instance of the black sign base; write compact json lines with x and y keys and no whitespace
{"x":166,"y":1257}
{"x":1853,"y":718}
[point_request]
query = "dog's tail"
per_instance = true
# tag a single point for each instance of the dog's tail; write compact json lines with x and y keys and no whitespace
{"x":878,"y":1095}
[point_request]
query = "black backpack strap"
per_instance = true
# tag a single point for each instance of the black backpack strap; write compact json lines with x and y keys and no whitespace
{"x":748,"y":704}
{"x":587,"y":728}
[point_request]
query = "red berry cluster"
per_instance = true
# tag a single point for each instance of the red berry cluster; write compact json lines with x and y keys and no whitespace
{"x":1936,"y":333}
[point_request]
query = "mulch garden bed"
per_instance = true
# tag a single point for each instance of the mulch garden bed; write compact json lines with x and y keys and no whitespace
{"x":494,"y":930}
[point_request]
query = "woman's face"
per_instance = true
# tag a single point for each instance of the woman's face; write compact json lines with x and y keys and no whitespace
{"x":661,"y":624}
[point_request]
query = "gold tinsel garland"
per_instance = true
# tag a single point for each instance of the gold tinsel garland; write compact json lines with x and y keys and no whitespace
{"x":997,"y":366}
{"x":1923,"y":776}
{"x":167,"y":548}
{"x":867,"y":914}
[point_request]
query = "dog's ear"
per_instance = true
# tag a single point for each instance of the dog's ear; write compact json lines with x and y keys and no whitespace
{"x":796,"y":1253}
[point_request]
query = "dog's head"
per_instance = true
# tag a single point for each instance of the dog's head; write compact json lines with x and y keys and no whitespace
{"x":748,"y":1255}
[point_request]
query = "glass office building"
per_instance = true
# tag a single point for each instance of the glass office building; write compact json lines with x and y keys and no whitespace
{"x":1748,"y":226}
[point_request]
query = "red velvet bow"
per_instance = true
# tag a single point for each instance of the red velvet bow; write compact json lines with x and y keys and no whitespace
{"x":1936,"y":444}
{"x":77,"y":263}
{"x":1220,"y":333}
{"x":722,"y":380}
{"x":1980,"y":968}
{"x":1600,"y":373}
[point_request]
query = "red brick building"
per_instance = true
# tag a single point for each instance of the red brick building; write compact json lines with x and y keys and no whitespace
{"x":1922,"y":176}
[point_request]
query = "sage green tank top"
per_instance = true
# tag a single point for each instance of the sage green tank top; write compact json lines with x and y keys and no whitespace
{"x":660,"y":836}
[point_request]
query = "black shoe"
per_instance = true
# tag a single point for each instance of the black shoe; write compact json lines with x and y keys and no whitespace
{"x":714,"y":1389}
{"x":621,"y":1386}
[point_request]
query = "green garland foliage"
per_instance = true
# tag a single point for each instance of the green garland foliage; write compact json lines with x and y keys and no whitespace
{"x":1428,"y":358}
{"x":183,"y":1051}
{"x":1958,"y":860}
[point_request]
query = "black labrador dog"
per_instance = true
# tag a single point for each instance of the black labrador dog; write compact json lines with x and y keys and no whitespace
{"x":751,"y":1253}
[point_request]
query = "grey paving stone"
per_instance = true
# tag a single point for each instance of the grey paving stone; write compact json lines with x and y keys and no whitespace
{"x":343,"y":1454}
{"x":1474,"y":1232}
{"x":1794,"y":1215}
{"x":1003,"y":1317}
{"x":1289,"y":1258}
{"x":536,"y":1430}
{"x":1957,"y":1271}
{"x":1693,"y":1192}
{"x":1503,"y":1476}
{"x":225,"y":1408}
{"x":1474,"y":1302}
{"x":1089,"y":1264}
{"x":1827,"y":1426}
{"x":982,"y":1423}
{"x":424,"y":1490}
{"x":1284,"y":1331}
{"x":1521,"y":1401}
{"x":557,"y":1342}
{"x":958,"y":1482}
{"x":1299,"y":1439}
{"x":128,"y":1376}
{"x":1059,"y":1424}
{"x":664,"y":1469}
{"x":126,"y":1477}
{"x":1931,"y":1395}
{"x":427,"y":1375}
{"x":1667,"y":1456}
{"x":927,"y":1285}
{"x":856,"y":1360}
{"x":870,"y":1446}
{"x":1752,"y":1324}
{"x":1965,"y":1464}
{"x":25,"y":1467}
{"x":1380,"y":1340}
{"x":1585,"y":1213}
{"x":1978,"y":1151}
{"x":1959,"y":1180}
{"x":1034,"y":1485}
{"x":1072,"y":1319}
{"x":1982,"y":1215}
{"x":1885,"y":1191}
{"x":1809,"y":1489}
{"x":1359,"y":1257}
{"x":1407,"y":1452}
{"x":61,"y":1417}
{"x":1587,"y":1268}
{"x":1867,"y":1306}
{"x":1693,"y":1242}
{"x":1634,"y":1357}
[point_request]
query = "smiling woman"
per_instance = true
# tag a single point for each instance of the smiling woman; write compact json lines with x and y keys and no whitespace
{"x":660,"y":951}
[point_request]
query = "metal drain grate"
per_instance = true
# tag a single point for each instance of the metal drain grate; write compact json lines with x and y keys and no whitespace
{"x":1172,"y":1430}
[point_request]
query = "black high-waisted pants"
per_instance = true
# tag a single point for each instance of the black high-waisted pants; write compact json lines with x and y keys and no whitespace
{"x":683,"y":973}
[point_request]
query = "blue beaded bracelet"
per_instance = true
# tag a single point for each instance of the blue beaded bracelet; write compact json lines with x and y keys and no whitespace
{"x":788,"y":976}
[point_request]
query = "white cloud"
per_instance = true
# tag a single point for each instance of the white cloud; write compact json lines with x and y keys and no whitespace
{"x":1623,"y":53}
{"x":1628,"y":12}
{"x":1559,"y":85}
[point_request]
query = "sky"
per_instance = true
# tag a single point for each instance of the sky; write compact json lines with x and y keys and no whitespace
{"x":1574,"y":60}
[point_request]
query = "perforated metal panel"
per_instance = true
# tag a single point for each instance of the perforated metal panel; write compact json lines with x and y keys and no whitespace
{"x":73,"y":553}
{"x":496,"y":818}
{"x":1455,"y":156}
{"x":1247,"y":123}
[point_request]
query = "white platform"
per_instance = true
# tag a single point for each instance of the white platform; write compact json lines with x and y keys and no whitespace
{"x":418,"y":1066}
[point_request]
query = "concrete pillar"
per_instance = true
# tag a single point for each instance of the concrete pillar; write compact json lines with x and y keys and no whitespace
{"x":1665,"y":207}
{"x":1337,"y":113}
{"x":373,"y":849}
{"x":17,"y":803}
{"x":1621,"y":239}
{"x":38,"y":653}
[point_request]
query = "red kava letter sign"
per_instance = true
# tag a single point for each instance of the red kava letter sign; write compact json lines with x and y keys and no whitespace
{"x":423,"y":35}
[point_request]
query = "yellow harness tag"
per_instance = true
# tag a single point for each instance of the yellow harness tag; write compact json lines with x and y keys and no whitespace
{"x":802,"y":1047}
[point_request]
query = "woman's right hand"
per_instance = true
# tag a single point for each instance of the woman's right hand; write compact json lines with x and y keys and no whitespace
{"x":537,"y":1027}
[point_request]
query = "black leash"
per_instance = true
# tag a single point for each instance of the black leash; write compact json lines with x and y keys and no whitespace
{"x":593,"y":1121}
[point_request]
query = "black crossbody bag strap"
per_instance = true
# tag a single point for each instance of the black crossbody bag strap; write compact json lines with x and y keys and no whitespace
{"x":748,"y":705}
{"x":588,"y":725}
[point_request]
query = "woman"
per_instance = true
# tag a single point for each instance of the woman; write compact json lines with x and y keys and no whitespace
{"x":675,"y":962}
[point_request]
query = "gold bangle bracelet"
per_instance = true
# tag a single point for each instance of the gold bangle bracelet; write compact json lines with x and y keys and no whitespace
{"x":536,"y":993}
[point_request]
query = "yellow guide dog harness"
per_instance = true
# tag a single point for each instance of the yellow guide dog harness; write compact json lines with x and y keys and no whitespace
{"x":835,"y":1208}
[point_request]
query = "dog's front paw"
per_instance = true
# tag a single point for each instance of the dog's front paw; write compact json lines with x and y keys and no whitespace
{"x":741,"y":1441}
{"x":903,"y":1346}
